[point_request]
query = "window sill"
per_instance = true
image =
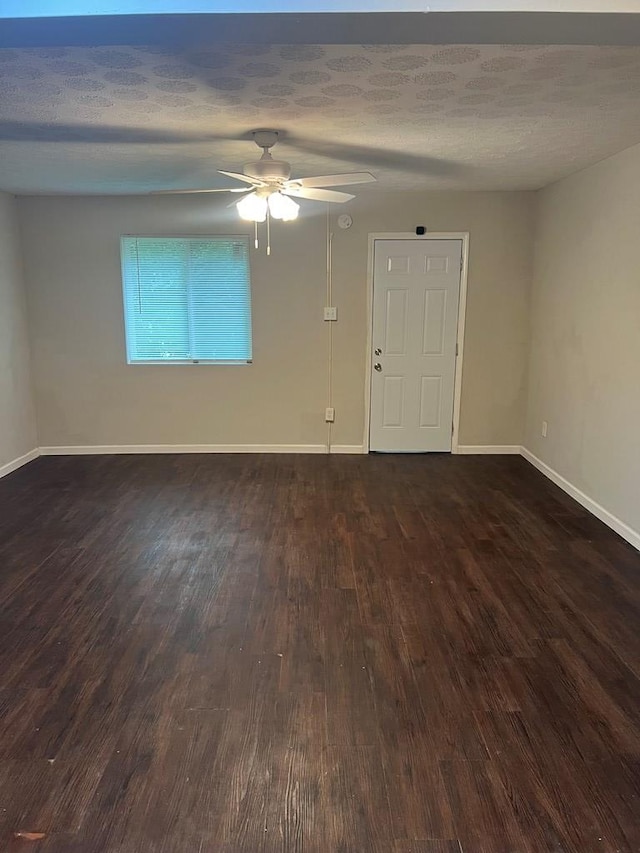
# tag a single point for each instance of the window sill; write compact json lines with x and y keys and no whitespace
{"x":169,"y":362}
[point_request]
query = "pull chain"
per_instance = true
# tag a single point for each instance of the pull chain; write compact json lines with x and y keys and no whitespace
{"x":268,"y":233}
{"x":255,"y":239}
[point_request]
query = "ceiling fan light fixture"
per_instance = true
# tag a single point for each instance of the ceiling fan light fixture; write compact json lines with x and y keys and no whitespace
{"x":283,"y":207}
{"x":252,"y":208}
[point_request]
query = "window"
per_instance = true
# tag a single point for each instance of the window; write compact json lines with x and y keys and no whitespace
{"x":187,"y":300}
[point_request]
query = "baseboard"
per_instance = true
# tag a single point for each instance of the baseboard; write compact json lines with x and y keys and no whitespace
{"x":632,"y":536}
{"x":488,"y":449}
{"x":628,"y":533}
{"x":19,"y":462}
{"x":100,"y":449}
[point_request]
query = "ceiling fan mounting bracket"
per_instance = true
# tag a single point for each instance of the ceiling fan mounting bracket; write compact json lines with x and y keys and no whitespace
{"x":265,"y":138}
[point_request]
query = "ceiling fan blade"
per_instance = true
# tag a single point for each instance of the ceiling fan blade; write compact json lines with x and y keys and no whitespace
{"x":336,"y":180}
{"x":365,"y":155}
{"x":256,"y":182}
{"x":191,"y":192}
{"x":318,"y":195}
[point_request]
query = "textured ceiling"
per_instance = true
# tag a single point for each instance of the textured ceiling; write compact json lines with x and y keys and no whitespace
{"x":28,"y":8}
{"x":131,"y":119}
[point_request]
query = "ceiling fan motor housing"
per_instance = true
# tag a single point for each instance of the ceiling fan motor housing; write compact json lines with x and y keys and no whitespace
{"x":268,"y":169}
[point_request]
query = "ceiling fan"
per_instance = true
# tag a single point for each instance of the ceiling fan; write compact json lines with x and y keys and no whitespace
{"x":271,"y":189}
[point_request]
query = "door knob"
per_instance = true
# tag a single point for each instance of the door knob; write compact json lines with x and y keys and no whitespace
{"x":377,"y":366}
{"x":377,"y":351}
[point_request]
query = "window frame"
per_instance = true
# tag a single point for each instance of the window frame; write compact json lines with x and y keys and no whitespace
{"x":187,"y":361}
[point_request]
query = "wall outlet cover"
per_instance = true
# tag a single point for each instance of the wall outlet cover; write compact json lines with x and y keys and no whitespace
{"x":331,"y":314}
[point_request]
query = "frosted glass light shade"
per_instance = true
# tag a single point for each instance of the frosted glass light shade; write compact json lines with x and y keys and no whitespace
{"x":283,"y":207}
{"x":253,"y":208}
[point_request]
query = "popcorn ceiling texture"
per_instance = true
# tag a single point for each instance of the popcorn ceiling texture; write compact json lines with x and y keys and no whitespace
{"x":499,"y":117}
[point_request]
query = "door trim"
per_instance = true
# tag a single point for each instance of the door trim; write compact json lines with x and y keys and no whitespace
{"x":462,"y":311}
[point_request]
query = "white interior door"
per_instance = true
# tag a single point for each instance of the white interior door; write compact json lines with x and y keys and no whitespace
{"x":416,"y":290}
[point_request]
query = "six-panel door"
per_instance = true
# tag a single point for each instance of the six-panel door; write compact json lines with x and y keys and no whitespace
{"x":416,"y":289}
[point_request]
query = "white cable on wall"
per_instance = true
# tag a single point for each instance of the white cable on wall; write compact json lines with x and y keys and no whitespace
{"x":329,"y":302}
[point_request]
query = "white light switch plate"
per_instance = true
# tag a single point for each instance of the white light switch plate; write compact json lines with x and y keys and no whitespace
{"x":331,"y":314}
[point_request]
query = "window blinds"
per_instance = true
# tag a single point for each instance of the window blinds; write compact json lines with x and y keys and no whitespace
{"x":187,"y":299}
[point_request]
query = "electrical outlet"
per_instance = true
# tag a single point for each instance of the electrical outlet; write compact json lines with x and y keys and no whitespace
{"x":543,"y":431}
{"x":331,"y":314}
{"x":329,"y":414}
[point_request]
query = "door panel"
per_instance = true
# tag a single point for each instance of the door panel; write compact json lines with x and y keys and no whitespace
{"x":430,"y":401}
{"x":393,"y":401}
{"x":399,"y":264}
{"x":395,"y":335}
{"x":437,"y":264}
{"x":435,"y":307}
{"x":416,"y":291}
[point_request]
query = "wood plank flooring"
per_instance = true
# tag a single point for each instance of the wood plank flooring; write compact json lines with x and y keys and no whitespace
{"x":277,"y":654}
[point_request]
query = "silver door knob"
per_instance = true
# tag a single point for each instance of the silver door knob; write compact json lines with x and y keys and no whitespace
{"x":377,"y":351}
{"x":377,"y":366}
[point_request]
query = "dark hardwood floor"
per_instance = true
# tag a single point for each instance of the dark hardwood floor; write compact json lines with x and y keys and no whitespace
{"x":385,"y":654}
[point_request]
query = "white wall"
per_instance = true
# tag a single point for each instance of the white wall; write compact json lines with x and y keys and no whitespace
{"x":585,"y":353}
{"x":87,"y":395}
{"x":17,"y":420}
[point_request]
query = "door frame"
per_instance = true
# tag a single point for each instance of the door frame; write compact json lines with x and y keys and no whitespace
{"x":462,"y":311}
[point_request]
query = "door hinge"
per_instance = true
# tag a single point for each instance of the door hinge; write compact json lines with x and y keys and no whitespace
{"x":461,"y":263}
{"x":456,"y":349}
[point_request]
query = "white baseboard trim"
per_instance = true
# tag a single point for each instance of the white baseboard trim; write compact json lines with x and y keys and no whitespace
{"x":632,"y":536}
{"x":628,"y":533}
{"x":19,"y":462}
{"x":100,"y":449}
{"x":488,"y":449}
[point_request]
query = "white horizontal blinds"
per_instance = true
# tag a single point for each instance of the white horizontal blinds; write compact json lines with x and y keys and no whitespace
{"x":187,"y":299}
{"x":156,"y":303}
{"x":219,"y":299}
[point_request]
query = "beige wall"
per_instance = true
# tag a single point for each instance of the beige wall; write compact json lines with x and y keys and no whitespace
{"x":585,"y":354}
{"x":17,"y":421}
{"x":87,"y":395}
{"x":496,"y":336}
